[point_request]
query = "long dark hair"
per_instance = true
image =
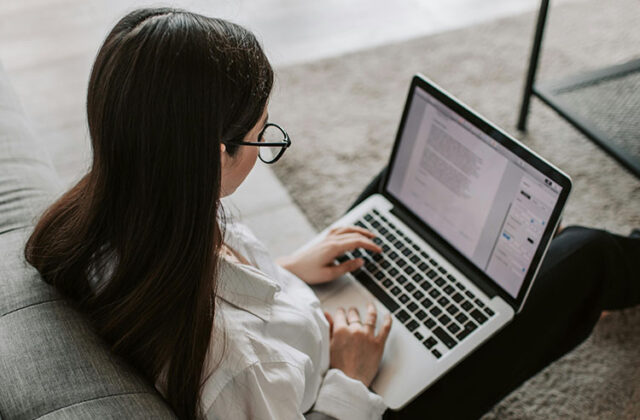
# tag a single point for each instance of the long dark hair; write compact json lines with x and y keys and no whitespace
{"x":166,"y":88}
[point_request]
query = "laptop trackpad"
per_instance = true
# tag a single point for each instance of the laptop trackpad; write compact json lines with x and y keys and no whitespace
{"x":406,"y":365}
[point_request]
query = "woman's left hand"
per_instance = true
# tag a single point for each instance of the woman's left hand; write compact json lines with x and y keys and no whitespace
{"x":316,"y":264}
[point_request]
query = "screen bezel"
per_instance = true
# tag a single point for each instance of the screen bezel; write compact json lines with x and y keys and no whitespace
{"x":419,"y":81}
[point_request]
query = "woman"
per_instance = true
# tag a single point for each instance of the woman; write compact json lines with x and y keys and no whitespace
{"x":177,"y":110}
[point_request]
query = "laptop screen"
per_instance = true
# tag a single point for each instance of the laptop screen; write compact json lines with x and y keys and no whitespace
{"x":482,"y":198}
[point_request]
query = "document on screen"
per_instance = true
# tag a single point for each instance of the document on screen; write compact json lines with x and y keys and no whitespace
{"x":452,"y":179}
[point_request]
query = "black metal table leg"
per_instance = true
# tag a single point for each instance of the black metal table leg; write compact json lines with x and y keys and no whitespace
{"x":533,"y":65}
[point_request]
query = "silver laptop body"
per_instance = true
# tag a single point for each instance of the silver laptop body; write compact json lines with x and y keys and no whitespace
{"x":465,"y":217}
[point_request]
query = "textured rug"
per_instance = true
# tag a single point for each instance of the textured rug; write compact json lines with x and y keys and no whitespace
{"x":342,"y":114}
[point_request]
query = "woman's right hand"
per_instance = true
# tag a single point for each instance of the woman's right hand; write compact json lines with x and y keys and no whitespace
{"x":355,"y":349}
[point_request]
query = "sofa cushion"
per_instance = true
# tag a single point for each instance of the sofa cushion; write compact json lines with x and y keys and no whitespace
{"x":52,"y":363}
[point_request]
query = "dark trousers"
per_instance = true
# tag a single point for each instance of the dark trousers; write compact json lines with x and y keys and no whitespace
{"x":584,"y":272}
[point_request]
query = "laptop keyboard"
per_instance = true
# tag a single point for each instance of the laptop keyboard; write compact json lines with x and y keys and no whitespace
{"x":422,"y":295}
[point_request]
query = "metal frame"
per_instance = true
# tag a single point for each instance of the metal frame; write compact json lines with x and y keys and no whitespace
{"x":548,"y":93}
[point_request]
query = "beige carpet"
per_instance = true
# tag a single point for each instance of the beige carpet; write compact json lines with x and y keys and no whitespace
{"x":342,"y":114}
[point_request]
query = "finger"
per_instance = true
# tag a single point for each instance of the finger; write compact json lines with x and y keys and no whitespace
{"x":334,"y":231}
{"x":353,"y":316}
{"x":340,"y":230}
{"x":339,"y":319}
{"x":357,"y":229}
{"x":383,"y":334}
{"x":352,"y":241}
{"x":346,"y":267}
{"x":330,"y":320}
{"x":372,"y":316}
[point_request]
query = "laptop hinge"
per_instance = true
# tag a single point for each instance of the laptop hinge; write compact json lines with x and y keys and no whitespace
{"x":446,"y":251}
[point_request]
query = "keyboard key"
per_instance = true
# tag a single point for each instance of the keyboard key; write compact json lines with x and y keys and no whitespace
{"x":409,"y":270}
{"x":453,"y":309}
{"x":343,"y":258}
{"x":359,"y":253}
{"x":440,"y":281}
{"x":443,"y":301}
{"x":393,"y":255}
{"x":390,"y":237}
{"x":489,"y":311}
{"x":416,"y":247}
{"x":402,"y":315}
{"x":426,"y":303}
{"x":430,"y":323}
{"x":478,"y":316}
{"x":453,"y":328}
{"x":448,"y":341}
{"x":418,"y":294}
{"x":377,"y":291}
{"x":461,"y":318}
{"x":370,"y":266}
{"x":375,"y":224}
{"x":368,"y":217}
{"x":412,"y":325}
{"x":406,"y":252}
{"x":463,"y":334}
{"x":423,"y":266}
{"x":418,"y":335}
{"x":425,"y":286}
{"x":457,"y":297}
{"x":450,"y":277}
{"x":442,"y":270}
{"x":421,"y":314}
{"x":436,"y":353}
{"x":414,"y":259}
{"x":469,"y":294}
{"x":412,"y":307}
{"x":435,"y":311}
{"x":387,"y":283}
{"x":444,"y":319}
{"x":409,"y":287}
{"x":401,"y":279}
{"x":460,"y":286}
{"x":379,"y":275}
{"x":398,"y":244}
{"x":470,"y":326}
{"x":449,"y":289}
{"x":417,"y":277}
{"x":479,"y":303}
{"x":431,"y":274}
{"x":430,"y":342}
{"x":383,"y":230}
{"x":467,"y":305}
{"x":434,"y":293}
{"x":396,"y":290}
{"x":404,"y":298}
{"x":424,"y":254}
{"x":401,"y":263}
{"x":393,"y":272}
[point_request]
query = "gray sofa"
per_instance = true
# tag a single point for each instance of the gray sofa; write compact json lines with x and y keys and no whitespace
{"x":52,"y":365}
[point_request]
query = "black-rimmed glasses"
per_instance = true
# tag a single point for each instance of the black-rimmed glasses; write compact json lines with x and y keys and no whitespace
{"x":272,"y":140}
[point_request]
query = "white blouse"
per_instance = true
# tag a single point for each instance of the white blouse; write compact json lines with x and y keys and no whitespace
{"x":270,"y":348}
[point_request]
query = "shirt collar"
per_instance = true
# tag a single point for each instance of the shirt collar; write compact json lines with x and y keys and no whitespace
{"x":247,"y":288}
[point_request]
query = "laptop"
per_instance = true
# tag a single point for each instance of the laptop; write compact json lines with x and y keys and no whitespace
{"x":464,"y":218}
